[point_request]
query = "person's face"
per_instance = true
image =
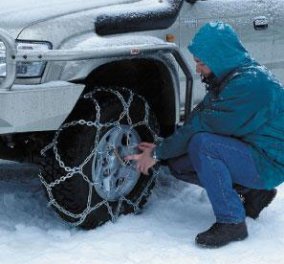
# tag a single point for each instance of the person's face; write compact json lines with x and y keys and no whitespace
{"x":201,"y":68}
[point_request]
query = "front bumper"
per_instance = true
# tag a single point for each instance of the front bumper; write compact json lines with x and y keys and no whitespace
{"x":42,"y":107}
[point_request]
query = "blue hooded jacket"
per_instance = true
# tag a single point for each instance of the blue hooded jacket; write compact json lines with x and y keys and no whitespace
{"x":250,"y":106}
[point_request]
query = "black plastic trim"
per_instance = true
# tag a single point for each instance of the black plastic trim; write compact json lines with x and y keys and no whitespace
{"x":107,"y":24}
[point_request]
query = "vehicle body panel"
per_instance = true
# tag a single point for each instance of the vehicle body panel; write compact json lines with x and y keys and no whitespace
{"x":37,"y":107}
{"x":265,"y":45}
{"x":15,"y":16}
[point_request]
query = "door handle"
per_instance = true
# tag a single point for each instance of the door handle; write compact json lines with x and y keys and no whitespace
{"x":260,"y":23}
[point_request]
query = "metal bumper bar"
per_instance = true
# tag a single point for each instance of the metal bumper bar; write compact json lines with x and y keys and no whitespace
{"x":13,"y":56}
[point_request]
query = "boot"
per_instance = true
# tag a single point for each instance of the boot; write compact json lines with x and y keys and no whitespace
{"x":220,"y":234}
{"x":256,"y":200}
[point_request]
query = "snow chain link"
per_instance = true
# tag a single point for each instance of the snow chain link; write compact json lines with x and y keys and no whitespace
{"x":70,"y":172}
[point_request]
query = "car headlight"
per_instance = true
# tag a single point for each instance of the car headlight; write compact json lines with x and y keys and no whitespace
{"x":25,"y":69}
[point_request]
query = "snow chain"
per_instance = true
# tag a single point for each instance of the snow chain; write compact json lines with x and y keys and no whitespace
{"x":70,"y":172}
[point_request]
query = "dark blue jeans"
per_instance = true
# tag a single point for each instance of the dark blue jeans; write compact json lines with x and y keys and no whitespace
{"x":216,"y":163}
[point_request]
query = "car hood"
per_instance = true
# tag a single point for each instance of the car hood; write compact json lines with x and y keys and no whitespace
{"x":16,"y":15}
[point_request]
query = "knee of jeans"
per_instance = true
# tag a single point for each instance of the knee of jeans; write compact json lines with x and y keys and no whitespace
{"x":198,"y":142}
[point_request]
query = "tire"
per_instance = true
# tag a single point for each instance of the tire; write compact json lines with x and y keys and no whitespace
{"x":83,"y":170}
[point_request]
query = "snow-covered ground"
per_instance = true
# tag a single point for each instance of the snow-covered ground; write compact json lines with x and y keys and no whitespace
{"x":164,"y":233}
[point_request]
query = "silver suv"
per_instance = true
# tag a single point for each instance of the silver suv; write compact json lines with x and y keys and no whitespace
{"x":83,"y":82}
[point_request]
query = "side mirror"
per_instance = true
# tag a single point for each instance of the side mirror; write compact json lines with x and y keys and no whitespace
{"x":141,"y":19}
{"x":191,"y":1}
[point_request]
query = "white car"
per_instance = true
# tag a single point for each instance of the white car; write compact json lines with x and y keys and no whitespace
{"x":83,"y":82}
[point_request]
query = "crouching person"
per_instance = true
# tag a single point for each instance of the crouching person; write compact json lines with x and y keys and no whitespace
{"x":233,"y":141}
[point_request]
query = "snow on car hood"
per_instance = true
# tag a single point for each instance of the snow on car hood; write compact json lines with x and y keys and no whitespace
{"x":15,"y":15}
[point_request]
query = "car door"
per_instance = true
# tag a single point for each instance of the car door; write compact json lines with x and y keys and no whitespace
{"x":251,"y":19}
{"x":276,"y":24}
{"x":254,"y":22}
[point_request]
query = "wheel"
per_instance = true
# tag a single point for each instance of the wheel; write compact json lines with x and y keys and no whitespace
{"x":86,"y":178}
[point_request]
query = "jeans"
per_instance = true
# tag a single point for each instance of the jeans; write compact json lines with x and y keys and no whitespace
{"x":215,"y":163}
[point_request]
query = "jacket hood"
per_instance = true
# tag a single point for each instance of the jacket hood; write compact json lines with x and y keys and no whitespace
{"x":218,"y":46}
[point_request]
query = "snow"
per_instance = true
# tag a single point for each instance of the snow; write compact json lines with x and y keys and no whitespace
{"x":220,"y":26}
{"x":56,"y":5}
{"x":31,"y":10}
{"x":31,"y":233}
{"x":139,"y":5}
{"x":115,"y":41}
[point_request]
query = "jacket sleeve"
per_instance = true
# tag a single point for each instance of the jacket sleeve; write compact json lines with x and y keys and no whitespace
{"x":241,"y":108}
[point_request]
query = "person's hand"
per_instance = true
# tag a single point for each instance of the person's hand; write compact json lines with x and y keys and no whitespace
{"x":144,"y":160}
